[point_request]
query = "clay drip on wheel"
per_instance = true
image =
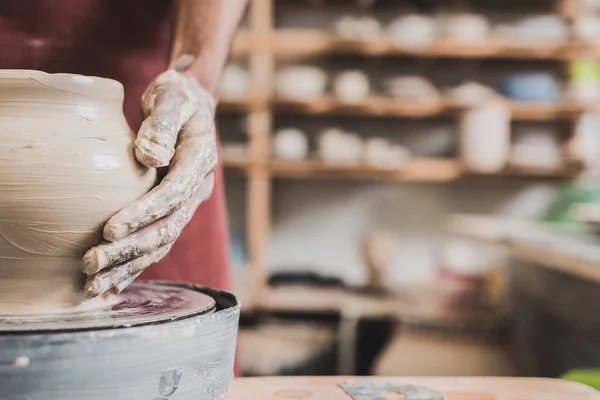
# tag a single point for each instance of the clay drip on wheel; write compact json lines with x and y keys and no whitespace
{"x":66,"y":166}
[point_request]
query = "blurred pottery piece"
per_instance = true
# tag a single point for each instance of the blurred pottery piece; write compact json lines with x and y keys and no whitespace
{"x":235,"y":82}
{"x":586,"y":28}
{"x":411,"y":87}
{"x":485,"y":137}
{"x":537,"y":28}
{"x":470,"y":94}
{"x":233,"y":151}
{"x":415,"y":32}
{"x":585,"y":145}
{"x":466,"y":28}
{"x":351,"y":86}
{"x":301,"y":82}
{"x":380,"y":152}
{"x":361,"y":28}
{"x":290,"y":144}
{"x":534,"y":87}
{"x":334,"y":145}
{"x":432,"y":142}
{"x":536,"y":150}
{"x":67,"y":167}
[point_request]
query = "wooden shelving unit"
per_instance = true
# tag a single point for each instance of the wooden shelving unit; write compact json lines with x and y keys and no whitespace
{"x":308,"y":42}
{"x":386,"y":107}
{"x":416,"y":170}
{"x":261,"y":45}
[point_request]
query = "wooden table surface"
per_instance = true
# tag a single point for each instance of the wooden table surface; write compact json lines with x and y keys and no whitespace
{"x":327,"y":388}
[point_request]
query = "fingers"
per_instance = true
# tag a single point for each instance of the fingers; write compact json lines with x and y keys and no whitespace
{"x":170,"y":101}
{"x":148,"y":239}
{"x":195,"y":158}
{"x":109,"y":278}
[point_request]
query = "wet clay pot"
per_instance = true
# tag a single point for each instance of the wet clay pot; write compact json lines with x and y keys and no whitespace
{"x":66,"y":167}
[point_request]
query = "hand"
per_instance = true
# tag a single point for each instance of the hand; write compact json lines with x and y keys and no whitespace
{"x":179,"y":132}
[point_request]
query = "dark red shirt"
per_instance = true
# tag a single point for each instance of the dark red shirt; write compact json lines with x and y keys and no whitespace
{"x":126,"y":40}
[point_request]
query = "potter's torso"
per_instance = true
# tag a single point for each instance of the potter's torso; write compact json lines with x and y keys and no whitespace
{"x":126,"y":40}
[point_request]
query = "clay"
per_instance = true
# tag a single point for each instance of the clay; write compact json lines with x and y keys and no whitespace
{"x":142,"y":303}
{"x":66,"y":166}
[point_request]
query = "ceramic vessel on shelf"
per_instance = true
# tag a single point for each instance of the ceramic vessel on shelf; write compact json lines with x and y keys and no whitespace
{"x":587,"y":28}
{"x":411,"y":87}
{"x":290,"y":144}
{"x":485,"y":137}
{"x":334,"y":145}
{"x":66,"y":167}
{"x":357,"y":28}
{"x":351,"y":86}
{"x":382,"y":153}
{"x":466,"y":27}
{"x":235,"y":83}
{"x":301,"y":82}
{"x":414,"y":32}
{"x":534,"y":87}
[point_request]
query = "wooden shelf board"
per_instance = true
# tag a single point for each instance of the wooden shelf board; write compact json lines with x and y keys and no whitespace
{"x":534,"y":242}
{"x":242,"y":43}
{"x":373,"y":106}
{"x":416,"y":170}
{"x":308,"y":42}
{"x":386,"y":107}
{"x":544,"y":112}
{"x":380,"y":106}
{"x":236,"y":163}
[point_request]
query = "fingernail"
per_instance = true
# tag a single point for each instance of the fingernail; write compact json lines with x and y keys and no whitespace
{"x":92,"y":288}
{"x":114,"y":232}
{"x":93,"y":261}
{"x":151,"y":154}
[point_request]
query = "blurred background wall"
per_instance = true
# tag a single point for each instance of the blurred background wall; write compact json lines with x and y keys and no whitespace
{"x":353,"y":130}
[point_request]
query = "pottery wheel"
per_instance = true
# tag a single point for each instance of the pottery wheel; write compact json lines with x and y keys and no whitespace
{"x":157,"y":341}
{"x":139,"y":304}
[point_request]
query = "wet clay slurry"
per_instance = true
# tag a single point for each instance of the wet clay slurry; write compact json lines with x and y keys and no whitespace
{"x":66,"y":166}
{"x":140,"y":304}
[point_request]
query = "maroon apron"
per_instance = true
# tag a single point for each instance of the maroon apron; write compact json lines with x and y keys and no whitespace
{"x":126,"y":40}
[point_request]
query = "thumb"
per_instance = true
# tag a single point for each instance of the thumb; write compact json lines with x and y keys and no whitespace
{"x":169,"y":108}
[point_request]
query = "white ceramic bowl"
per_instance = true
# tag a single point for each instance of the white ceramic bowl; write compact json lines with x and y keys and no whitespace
{"x":301,"y":82}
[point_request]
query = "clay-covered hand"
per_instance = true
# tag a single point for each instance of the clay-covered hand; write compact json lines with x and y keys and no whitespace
{"x":179,"y":132}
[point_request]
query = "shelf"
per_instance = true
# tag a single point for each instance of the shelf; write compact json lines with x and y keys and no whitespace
{"x":416,"y":170}
{"x":376,"y":106}
{"x":422,"y":170}
{"x":545,"y":112}
{"x":373,"y":106}
{"x":534,"y":242}
{"x":387,"y":107}
{"x":308,"y":42}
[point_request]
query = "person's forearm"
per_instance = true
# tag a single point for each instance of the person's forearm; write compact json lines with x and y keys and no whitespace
{"x":205,"y":30}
